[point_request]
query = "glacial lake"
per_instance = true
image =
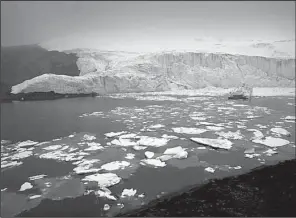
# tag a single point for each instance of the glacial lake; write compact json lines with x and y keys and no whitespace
{"x":50,"y":139}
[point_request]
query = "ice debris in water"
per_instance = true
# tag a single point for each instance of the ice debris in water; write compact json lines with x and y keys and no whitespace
{"x":152,"y":141}
{"x":270,"y":152}
{"x":26,"y":143}
{"x":89,"y":137}
{"x":176,"y":152}
{"x":128,"y":193}
{"x":115,"y":165}
{"x":290,"y":118}
{"x":21,"y":155}
{"x":52,"y":147}
{"x":93,"y":146}
{"x":280,"y":131}
{"x":252,"y":155}
{"x":26,"y":186}
{"x":210,"y":169}
{"x":141,"y":195}
{"x":106,"y":207}
{"x":156,"y":126}
{"x":236,"y":168}
{"x":105,"y":192}
{"x":189,"y":130}
{"x":169,"y":136}
{"x":129,"y":136}
{"x":272,"y":142}
{"x":5,"y":164}
{"x":154,"y":162}
{"x":34,"y":197}
{"x":249,"y":151}
{"x":149,"y":154}
{"x":4,"y":189}
{"x":113,"y":134}
{"x":230,"y":135}
{"x":37,"y":177}
{"x":120,"y":205}
{"x":257,"y":134}
{"x":139,"y":147}
{"x":215,"y":143}
{"x":214,"y":128}
{"x":130,"y":156}
{"x":104,"y":179}
{"x":123,"y":142}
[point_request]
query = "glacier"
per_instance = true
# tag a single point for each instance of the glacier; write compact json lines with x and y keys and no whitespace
{"x":106,"y":72}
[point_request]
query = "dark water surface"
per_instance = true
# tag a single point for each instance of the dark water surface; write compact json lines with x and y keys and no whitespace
{"x":66,"y":196}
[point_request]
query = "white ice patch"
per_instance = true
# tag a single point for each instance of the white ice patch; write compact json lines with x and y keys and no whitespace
{"x":149,"y":154}
{"x":5,"y":164}
{"x":270,"y":152}
{"x":231,"y":135}
{"x":105,"y":192}
{"x":26,"y":186}
{"x":88,"y":137}
{"x":115,"y":165}
{"x":169,"y":136}
{"x":106,"y":207}
{"x":4,"y":189}
{"x":215,"y":143}
{"x":252,"y":155}
{"x":164,"y":157}
{"x":21,"y":155}
{"x":272,"y":142}
{"x":34,"y":197}
{"x":154,"y":162}
{"x":104,"y":179}
{"x":141,"y":195}
{"x":129,"y":156}
{"x":152,"y":141}
{"x":257,"y":134}
{"x":139,"y":147}
{"x":128,"y":193}
{"x":189,"y":130}
{"x":280,"y":131}
{"x":157,"y":126}
{"x":123,"y":142}
{"x":52,"y":147}
{"x":37,"y":177}
{"x":93,"y":146}
{"x":236,"y":168}
{"x":26,"y":143}
{"x":176,"y":152}
{"x":113,"y":134}
{"x":214,"y":128}
{"x":290,"y":118}
{"x":210,"y":169}
{"x":129,"y":136}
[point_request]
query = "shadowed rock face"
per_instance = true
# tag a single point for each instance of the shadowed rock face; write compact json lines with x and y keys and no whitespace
{"x":20,"y":63}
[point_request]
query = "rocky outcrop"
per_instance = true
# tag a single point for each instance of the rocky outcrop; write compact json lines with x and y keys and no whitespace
{"x":110,"y":72}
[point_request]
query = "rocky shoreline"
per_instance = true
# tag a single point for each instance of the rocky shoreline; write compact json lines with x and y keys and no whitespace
{"x":265,"y":191}
{"x":40,"y":96}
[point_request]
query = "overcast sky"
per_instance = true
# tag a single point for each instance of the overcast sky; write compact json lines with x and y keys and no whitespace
{"x":122,"y":25}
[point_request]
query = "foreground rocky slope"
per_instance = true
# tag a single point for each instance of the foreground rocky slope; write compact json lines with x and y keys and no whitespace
{"x":113,"y":72}
{"x":20,"y":63}
{"x":269,"y":191}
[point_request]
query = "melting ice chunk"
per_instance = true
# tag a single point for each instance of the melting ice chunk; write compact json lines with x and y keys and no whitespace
{"x":128,"y":193}
{"x":215,"y":143}
{"x":26,"y":186}
{"x":189,"y":130}
{"x":272,"y":142}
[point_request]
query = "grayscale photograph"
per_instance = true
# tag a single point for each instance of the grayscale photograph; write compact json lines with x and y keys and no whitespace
{"x":148,"y":109}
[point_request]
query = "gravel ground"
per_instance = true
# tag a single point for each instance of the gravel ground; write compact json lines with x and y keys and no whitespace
{"x":267,"y":191}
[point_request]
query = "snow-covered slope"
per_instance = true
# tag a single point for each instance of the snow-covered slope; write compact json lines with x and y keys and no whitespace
{"x":112,"y":72}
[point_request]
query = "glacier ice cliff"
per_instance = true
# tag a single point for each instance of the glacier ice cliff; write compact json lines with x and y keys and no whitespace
{"x":112,"y":72}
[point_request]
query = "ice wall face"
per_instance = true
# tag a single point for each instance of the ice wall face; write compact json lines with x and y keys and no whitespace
{"x":111,"y":72}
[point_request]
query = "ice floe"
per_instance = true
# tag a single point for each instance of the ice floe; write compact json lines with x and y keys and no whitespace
{"x":104,"y":179}
{"x":215,"y":143}
{"x":149,"y":154}
{"x":154,"y":162}
{"x":26,"y":186}
{"x":270,"y":152}
{"x":169,"y":136}
{"x":189,"y":130}
{"x":21,"y":155}
{"x":93,"y":146}
{"x":129,"y":136}
{"x":280,"y":131}
{"x":115,"y":165}
{"x":34,"y":197}
{"x":290,"y":118}
{"x":52,"y":147}
{"x":89,"y":137}
{"x":129,"y":156}
{"x":252,"y":155}
{"x":37,"y":177}
{"x":272,"y":142}
{"x":139,"y":147}
{"x":128,"y":193}
{"x":3,"y":189}
{"x":141,"y":195}
{"x":152,"y":141}
{"x":106,"y":207}
{"x":123,"y":142}
{"x":210,"y":169}
{"x":105,"y":192}
{"x":249,"y":151}
{"x":257,"y":134}
{"x":5,"y":164}
{"x":156,"y":126}
{"x":113,"y":134}
{"x":214,"y":128}
{"x":230,"y":135}
{"x":176,"y":152}
{"x":26,"y":143}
